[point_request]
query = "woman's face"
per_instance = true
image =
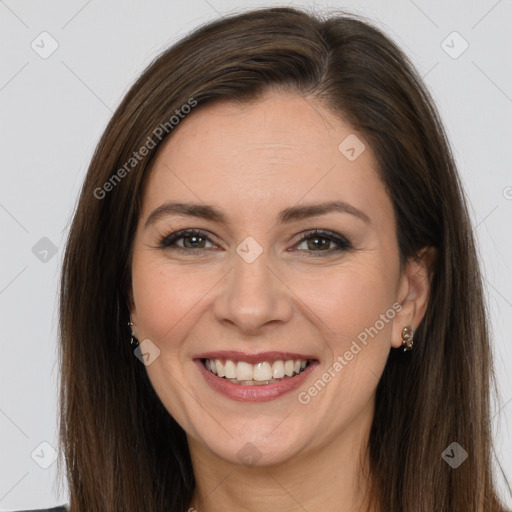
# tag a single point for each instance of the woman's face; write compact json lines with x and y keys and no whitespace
{"x":246,"y":295}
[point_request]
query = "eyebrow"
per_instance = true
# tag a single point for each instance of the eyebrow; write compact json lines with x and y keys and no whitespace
{"x":287,"y":215}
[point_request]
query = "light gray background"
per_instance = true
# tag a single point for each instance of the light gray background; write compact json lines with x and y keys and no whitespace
{"x":54,"y":110}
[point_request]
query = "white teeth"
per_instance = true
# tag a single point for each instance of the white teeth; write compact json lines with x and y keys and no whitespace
{"x":251,"y":374}
{"x":262,"y":371}
{"x":244,"y":371}
{"x":289,"y":368}
{"x":220,"y":368}
{"x":230,"y":369}
{"x":278,"y":369}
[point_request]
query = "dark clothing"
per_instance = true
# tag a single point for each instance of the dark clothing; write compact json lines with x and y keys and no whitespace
{"x":55,"y":509}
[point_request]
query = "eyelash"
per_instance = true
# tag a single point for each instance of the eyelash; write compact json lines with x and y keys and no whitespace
{"x":168,"y":241}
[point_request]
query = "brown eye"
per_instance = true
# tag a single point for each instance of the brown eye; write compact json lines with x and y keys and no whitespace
{"x":323,"y":241}
{"x":182,"y":240}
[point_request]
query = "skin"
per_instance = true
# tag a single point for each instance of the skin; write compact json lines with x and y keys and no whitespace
{"x":252,"y":161}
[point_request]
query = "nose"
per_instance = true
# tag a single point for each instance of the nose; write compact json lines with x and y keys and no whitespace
{"x":254,"y":298}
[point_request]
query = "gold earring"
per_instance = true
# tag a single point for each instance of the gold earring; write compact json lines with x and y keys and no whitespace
{"x":407,"y":338}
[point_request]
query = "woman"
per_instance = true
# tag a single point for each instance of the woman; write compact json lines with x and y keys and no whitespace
{"x":270,"y":296}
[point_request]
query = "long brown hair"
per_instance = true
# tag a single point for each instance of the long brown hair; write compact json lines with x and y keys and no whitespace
{"x":123,"y":450}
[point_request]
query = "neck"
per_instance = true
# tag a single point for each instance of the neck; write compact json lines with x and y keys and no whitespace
{"x":331,"y":478}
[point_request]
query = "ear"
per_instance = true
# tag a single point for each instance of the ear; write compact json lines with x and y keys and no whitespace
{"x":413,"y":293}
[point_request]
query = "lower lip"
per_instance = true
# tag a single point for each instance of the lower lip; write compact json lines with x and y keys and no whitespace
{"x":255,"y":393}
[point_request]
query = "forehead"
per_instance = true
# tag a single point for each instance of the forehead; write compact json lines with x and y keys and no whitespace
{"x":266,"y":154}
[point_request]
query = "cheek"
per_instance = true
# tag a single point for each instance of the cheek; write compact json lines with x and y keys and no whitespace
{"x":356,"y":312}
{"x":167,"y":298}
{"x":352,"y":296}
{"x":161,"y":297}
{"x":157,"y":304}
{"x":354,"y":305}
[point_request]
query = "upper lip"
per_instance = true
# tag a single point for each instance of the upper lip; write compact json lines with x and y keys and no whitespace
{"x":254,"y":358}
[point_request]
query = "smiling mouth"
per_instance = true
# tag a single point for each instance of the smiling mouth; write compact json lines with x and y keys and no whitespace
{"x":259,"y":374}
